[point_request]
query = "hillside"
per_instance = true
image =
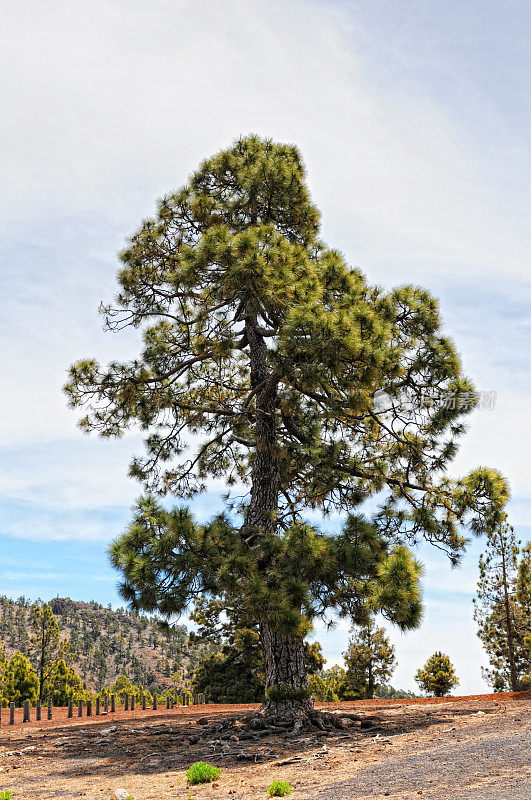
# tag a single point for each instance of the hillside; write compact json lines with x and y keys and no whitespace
{"x":108,"y":643}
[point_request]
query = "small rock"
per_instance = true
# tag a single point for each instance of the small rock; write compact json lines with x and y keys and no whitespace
{"x":106,"y":731}
{"x":241,"y":756}
{"x":120,"y":794}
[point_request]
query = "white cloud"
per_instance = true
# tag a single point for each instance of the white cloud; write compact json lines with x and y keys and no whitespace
{"x":112,"y":105}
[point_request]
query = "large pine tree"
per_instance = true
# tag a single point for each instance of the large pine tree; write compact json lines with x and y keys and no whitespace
{"x":263,"y":351}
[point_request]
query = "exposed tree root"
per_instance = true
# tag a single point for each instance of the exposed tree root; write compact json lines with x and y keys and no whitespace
{"x":288,"y":724}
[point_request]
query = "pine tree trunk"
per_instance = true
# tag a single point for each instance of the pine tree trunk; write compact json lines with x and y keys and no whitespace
{"x":370,"y":683}
{"x":42,"y":662}
{"x":286,"y":681}
{"x":285,"y":671}
{"x":260,"y":519}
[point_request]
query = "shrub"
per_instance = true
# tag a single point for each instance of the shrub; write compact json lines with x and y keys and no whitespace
{"x":6,"y":795}
{"x":279,"y":789}
{"x":282,"y":692}
{"x":202,"y":773}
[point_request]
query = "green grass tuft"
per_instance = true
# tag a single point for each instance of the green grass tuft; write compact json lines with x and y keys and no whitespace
{"x":6,"y":795}
{"x":279,"y":788}
{"x":202,"y":773}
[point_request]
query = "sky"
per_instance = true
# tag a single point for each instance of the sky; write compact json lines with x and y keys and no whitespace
{"x":413,"y":119}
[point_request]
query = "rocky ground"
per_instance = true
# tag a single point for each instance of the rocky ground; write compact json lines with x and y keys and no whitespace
{"x":456,"y":749}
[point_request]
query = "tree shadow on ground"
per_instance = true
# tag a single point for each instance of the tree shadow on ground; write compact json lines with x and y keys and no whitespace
{"x":154,"y":746}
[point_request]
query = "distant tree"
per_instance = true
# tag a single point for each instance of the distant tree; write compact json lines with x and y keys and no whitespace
{"x":21,"y":681}
{"x":63,"y":683}
{"x":3,"y":665}
{"x":176,"y":681}
{"x":100,"y":663}
{"x":386,"y":692}
{"x":335,"y":678}
{"x":123,"y":686}
{"x":313,"y":657}
{"x":501,"y":610}
{"x":236,"y":673}
{"x":45,"y":644}
{"x":263,"y":351}
{"x":136,"y":667}
{"x":370,"y":659}
{"x":523,"y":596}
{"x":437,"y":676}
{"x":523,"y":587}
{"x":321,"y":689}
{"x":328,"y":684}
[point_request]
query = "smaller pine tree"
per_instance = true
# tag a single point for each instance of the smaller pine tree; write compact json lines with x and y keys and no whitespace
{"x":523,"y":595}
{"x":45,"y":645}
{"x":21,"y":682}
{"x":370,"y":660}
{"x":437,"y":676}
{"x":63,"y":683}
{"x":501,"y":610}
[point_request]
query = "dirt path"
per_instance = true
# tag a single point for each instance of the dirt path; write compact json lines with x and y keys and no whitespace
{"x":485,"y":759}
{"x":452,"y":750}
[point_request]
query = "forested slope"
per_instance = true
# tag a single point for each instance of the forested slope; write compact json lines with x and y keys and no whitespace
{"x":108,"y":642}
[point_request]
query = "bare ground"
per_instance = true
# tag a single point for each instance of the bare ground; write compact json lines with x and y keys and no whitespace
{"x":456,"y":749}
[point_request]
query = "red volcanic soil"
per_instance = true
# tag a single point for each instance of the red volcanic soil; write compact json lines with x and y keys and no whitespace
{"x":60,"y":715}
{"x":451,"y":748}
